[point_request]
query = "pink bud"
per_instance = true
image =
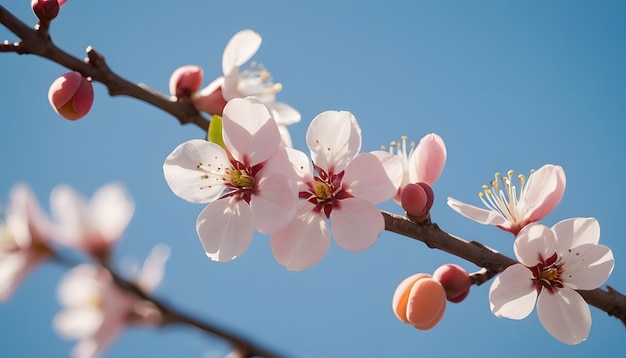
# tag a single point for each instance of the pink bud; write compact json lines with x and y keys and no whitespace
{"x":454,"y":280}
{"x":71,"y":96}
{"x":210,"y":99}
{"x":417,"y":199}
{"x":185,"y":81}
{"x":420,"y":301}
{"x":46,"y":10}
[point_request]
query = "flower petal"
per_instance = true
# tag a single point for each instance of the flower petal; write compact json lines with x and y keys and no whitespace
{"x":334,"y":139}
{"x":366,"y":178}
{"x":485,"y":217}
{"x":153,"y":268}
{"x":534,"y":244}
{"x":225,"y":229}
{"x":587,"y":267}
{"x":356,"y":224}
{"x":239,"y":49}
{"x":542,"y":192}
{"x":195,"y":171}
{"x":304,"y":241}
{"x":77,"y":323}
{"x":274,"y":203}
{"x":14,"y":268}
{"x":574,"y":232}
{"x":111,"y":209}
{"x":283,"y":113}
{"x":427,"y":161}
{"x":565,"y":315}
{"x":79,"y":286}
{"x":512,"y":294}
{"x":69,"y":208}
{"x":250,"y":133}
{"x":393,"y":168}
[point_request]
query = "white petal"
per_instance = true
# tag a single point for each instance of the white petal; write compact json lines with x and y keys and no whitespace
{"x":366,"y":178}
{"x":239,"y":49}
{"x":534,"y":243}
{"x":575,"y":232}
{"x":274,"y":203}
{"x":486,"y":217}
{"x":250,"y":133}
{"x":225,"y":229}
{"x":512,"y":294}
{"x":153,"y":268}
{"x":25,"y":218}
{"x":79,"y":286}
{"x":195,"y":170}
{"x":13,"y":269}
{"x":77,"y":323}
{"x":69,"y":208}
{"x":111,"y":209}
{"x":334,"y":139}
{"x":285,"y":136}
{"x":304,"y":241}
{"x":587,"y":267}
{"x":302,"y":167}
{"x":565,"y":315}
{"x":542,"y":193}
{"x":356,"y":224}
{"x":283,"y":113}
{"x":393,"y":166}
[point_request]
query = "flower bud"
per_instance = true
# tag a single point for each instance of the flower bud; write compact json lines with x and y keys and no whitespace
{"x":210,"y":99}
{"x":417,"y":199}
{"x":455,"y":280}
{"x":420,"y":301}
{"x":71,"y":96}
{"x":185,"y":81}
{"x":45,"y":10}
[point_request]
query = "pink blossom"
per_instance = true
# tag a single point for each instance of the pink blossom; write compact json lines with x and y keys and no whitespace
{"x":254,"y":81}
{"x":94,"y":226}
{"x":24,"y":239}
{"x":71,"y":96}
{"x":511,"y":211}
{"x":343,"y":186}
{"x":250,"y":187}
{"x":554,"y":262}
{"x":96,"y":310}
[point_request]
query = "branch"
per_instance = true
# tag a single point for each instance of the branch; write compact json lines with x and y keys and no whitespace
{"x":38,"y":42}
{"x":610,"y":301}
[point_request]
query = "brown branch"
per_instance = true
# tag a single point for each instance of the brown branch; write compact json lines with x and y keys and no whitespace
{"x":37,"y":42}
{"x":610,"y":301}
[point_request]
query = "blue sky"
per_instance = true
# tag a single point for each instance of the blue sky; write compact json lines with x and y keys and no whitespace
{"x":507,"y":84}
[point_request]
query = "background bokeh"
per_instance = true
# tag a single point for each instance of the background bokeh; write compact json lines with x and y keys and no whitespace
{"x":507,"y":84}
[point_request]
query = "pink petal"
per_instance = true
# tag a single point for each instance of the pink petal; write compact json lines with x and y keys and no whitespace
{"x":393,"y":167}
{"x":274,"y":203}
{"x":565,"y":315}
{"x":25,"y":219}
{"x":185,"y":80}
{"x":69,"y":208}
{"x":427,"y":161}
{"x":250,"y":133}
{"x":587,"y":266}
{"x":334,"y":139}
{"x":356,"y":224}
{"x":366,"y":178}
{"x":225,"y":229}
{"x":111,"y":209}
{"x":187,"y":171}
{"x":210,"y":99}
{"x":512,"y":294}
{"x":239,"y":49}
{"x":575,"y":232}
{"x":304,"y":241}
{"x":485,"y":217}
{"x":534,"y":243}
{"x":283,"y":113}
{"x":543,"y":192}
{"x":14,"y":268}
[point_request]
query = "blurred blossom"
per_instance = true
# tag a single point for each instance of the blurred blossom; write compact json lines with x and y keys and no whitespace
{"x":96,"y":310}
{"x":94,"y":226}
{"x":554,"y":262}
{"x":71,"y":95}
{"x":511,"y":211}
{"x":24,"y":239}
{"x":343,"y":186}
{"x":254,"y":81}
{"x":250,"y":186}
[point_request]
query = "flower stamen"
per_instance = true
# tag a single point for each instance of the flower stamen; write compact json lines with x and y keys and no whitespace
{"x":258,"y":80}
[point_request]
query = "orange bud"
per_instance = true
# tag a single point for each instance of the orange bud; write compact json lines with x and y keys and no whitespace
{"x":71,"y":96}
{"x":420,"y":301}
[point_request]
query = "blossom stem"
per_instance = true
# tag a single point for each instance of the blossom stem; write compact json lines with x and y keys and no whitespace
{"x":610,"y":301}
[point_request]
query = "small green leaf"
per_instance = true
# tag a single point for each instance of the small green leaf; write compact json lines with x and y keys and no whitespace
{"x":215,"y":131}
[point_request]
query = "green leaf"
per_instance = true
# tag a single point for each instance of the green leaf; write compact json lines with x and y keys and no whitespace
{"x":215,"y":131}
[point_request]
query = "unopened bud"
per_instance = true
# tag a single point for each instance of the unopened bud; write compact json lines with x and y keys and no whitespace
{"x":455,"y":280}
{"x":420,"y":301}
{"x":210,"y":99}
{"x":45,"y":10}
{"x":417,"y":199}
{"x":185,"y":81}
{"x":71,"y":96}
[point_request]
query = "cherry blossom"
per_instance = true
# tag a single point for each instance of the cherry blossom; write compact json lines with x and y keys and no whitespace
{"x":422,"y":163}
{"x":510,"y":210}
{"x":554,"y":262}
{"x":249,"y":186}
{"x":94,"y":226}
{"x":343,"y":186}
{"x":254,"y":81}
{"x":96,"y":310}
{"x":24,"y":239}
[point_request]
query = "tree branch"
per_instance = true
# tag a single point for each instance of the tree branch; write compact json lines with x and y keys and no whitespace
{"x":610,"y":301}
{"x":38,"y":43}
